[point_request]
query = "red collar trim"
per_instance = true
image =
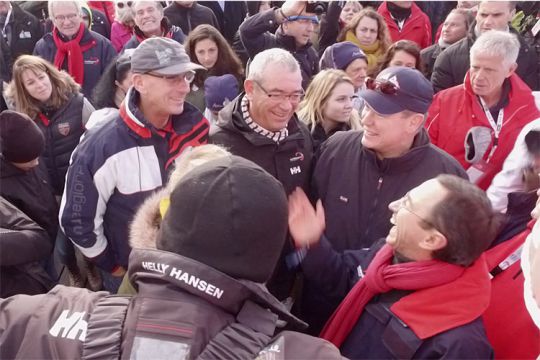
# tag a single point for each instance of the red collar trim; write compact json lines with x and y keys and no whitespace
{"x":45,"y":120}
{"x":132,"y":123}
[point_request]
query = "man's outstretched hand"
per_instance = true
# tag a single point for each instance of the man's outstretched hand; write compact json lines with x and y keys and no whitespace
{"x":306,"y":224}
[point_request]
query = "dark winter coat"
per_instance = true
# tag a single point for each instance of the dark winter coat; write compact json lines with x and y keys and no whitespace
{"x":356,"y":189}
{"x":22,"y":244}
{"x":62,"y":134}
{"x":229,"y":19}
{"x":289,"y":162}
{"x":183,"y":309}
{"x":26,"y":31}
{"x":96,"y":59}
{"x":31,"y":193}
{"x":451,"y":66}
{"x":428,"y":57}
{"x":188,"y":18}
{"x":257,"y":35}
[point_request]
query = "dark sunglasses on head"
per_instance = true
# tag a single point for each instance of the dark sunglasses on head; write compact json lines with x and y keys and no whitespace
{"x":121,"y":4}
{"x":386,"y":87}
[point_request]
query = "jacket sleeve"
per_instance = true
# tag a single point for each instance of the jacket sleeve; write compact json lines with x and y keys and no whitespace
{"x":333,"y":272}
{"x":432,"y":121}
{"x":531,"y":76}
{"x":329,"y":29}
{"x":255,"y":32}
{"x":442,"y":78}
{"x":427,"y":37}
{"x":40,"y":48}
{"x":21,"y":239}
{"x":84,"y":204}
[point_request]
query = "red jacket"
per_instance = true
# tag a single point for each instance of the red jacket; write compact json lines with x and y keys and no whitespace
{"x":417,"y":27}
{"x":509,"y":327}
{"x":455,"y":110}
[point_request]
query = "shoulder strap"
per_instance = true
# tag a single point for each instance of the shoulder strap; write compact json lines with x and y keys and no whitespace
{"x":245,"y":338}
{"x":104,"y":332}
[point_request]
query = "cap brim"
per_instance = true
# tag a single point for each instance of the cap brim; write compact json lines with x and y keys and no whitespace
{"x":178,"y":69}
{"x":381,"y":103}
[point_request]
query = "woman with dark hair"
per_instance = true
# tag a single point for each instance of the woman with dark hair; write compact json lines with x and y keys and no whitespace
{"x":205,"y":45}
{"x":369,"y":32}
{"x":111,"y":89}
{"x":402,"y":53}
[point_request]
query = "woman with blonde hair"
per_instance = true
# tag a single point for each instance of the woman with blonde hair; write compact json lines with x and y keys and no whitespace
{"x":328,"y":105}
{"x":54,"y":101}
{"x":369,"y":32}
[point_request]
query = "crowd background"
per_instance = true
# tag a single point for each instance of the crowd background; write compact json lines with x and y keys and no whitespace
{"x":366,"y":102}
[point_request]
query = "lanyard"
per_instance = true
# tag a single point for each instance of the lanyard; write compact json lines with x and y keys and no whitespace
{"x":509,"y":261}
{"x":496,"y":126}
{"x":7,"y":22}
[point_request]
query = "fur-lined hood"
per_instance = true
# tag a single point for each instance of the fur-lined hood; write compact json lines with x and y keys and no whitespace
{"x":146,"y":222}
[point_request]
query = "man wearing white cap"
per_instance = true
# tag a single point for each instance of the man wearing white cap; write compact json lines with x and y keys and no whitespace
{"x":118,"y":164}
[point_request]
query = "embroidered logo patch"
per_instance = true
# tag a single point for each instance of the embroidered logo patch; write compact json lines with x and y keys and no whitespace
{"x":64,"y":128}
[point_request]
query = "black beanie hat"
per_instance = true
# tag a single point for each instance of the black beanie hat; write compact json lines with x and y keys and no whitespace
{"x":20,"y":138}
{"x":229,"y":214}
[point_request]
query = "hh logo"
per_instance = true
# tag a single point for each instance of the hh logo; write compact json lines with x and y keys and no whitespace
{"x":295,"y":170}
{"x":63,"y":129}
{"x":70,"y":327}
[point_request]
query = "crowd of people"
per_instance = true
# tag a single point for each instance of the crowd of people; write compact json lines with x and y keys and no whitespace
{"x":260,"y":179}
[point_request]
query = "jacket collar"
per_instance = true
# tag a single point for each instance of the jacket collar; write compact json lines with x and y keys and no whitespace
{"x":161,"y":273}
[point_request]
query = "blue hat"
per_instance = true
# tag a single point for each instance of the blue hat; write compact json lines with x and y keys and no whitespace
{"x":411,"y":91}
{"x":220,"y":90}
{"x":340,"y":55}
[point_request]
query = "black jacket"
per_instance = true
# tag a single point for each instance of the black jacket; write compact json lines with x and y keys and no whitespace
{"x":188,"y":18}
{"x":62,"y":135}
{"x":451,"y":66}
{"x":229,"y":19}
{"x":26,"y":31}
{"x":289,"y":162}
{"x":96,"y":59}
{"x":257,"y":35}
{"x":183,"y":309}
{"x":30,"y":192}
{"x":356,"y":189}
{"x":428,"y":56}
{"x":171,"y":31}
{"x":22,"y":244}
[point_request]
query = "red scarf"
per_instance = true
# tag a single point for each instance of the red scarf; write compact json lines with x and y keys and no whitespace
{"x":445,"y":296}
{"x":74,"y":52}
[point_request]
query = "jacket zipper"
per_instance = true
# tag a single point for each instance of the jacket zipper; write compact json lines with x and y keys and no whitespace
{"x":374,"y":206}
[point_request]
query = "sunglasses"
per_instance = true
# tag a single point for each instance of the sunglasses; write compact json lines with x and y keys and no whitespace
{"x":386,"y":87}
{"x":121,"y":4}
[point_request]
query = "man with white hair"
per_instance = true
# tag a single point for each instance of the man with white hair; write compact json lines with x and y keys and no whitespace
{"x":150,"y":22}
{"x":452,"y":64}
{"x":478,"y":122}
{"x":261,"y":125}
{"x":83,"y":53}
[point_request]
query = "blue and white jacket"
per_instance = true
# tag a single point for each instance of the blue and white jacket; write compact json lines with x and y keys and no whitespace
{"x":114,"y":168}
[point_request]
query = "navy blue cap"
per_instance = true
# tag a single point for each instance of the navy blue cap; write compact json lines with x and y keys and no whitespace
{"x":340,"y":55}
{"x":414,"y":92}
{"x":219,"y":90}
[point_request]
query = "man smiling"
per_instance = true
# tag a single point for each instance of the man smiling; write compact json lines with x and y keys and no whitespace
{"x":358,"y":174}
{"x":119,"y":164}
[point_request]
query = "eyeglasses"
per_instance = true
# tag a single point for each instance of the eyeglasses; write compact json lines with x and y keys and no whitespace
{"x":386,"y":87}
{"x":121,"y":4}
{"x":62,"y":18}
{"x":187,"y":76}
{"x":402,"y":204}
{"x":293,"y":98}
{"x":304,"y":18}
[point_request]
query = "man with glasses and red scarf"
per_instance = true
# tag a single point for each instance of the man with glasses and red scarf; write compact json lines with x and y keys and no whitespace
{"x":70,"y":46}
{"x":117,"y":165}
{"x":261,"y":125}
{"x":420,"y":291}
{"x":358,"y":173}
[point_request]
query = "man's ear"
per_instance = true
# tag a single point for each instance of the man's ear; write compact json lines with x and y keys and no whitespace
{"x":434,"y":241}
{"x":248,"y":88}
{"x":415,"y":122}
{"x":138,"y":83}
{"x":512,"y":69}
